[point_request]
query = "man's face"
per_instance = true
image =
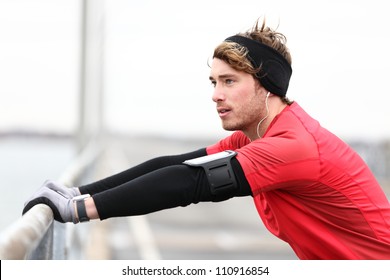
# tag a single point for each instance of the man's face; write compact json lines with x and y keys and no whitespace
{"x":239,"y":98}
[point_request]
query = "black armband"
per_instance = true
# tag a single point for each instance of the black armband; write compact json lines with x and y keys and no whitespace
{"x":218,"y":170}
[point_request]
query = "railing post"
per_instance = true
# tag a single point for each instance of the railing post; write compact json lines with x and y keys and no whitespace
{"x":44,"y":250}
{"x":59,"y":239}
{"x":91,"y":121}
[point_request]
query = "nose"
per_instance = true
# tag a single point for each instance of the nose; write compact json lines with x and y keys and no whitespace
{"x":218,"y":94}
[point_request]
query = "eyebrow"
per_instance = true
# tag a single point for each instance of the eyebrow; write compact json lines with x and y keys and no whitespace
{"x":223,"y":76}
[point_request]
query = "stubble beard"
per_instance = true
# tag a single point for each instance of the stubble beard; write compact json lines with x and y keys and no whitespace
{"x":243,"y":124}
{"x":248,"y":119}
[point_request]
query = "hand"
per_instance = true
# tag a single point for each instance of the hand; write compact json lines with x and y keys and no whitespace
{"x":62,"y":206}
{"x":66,"y":191}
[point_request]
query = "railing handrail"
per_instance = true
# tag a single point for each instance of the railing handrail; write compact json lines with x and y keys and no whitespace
{"x":25,"y":234}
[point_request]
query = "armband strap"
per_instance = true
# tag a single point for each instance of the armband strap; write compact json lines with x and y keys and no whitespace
{"x":80,"y":206}
{"x":219,"y":171}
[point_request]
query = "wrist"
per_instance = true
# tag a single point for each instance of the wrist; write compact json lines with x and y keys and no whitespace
{"x":80,"y":208}
{"x":91,"y":209}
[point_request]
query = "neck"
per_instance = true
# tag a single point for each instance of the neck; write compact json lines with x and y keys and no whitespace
{"x":274,"y":107}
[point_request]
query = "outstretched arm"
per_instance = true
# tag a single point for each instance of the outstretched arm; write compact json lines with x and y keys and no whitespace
{"x":172,"y":186}
{"x":163,"y":188}
{"x":137,"y":171}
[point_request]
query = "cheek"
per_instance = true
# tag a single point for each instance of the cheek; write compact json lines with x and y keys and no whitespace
{"x":250,"y":101}
{"x":252,"y":108}
{"x":247,"y":98}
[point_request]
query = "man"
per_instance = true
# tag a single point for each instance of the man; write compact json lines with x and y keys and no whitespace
{"x":310,"y":189}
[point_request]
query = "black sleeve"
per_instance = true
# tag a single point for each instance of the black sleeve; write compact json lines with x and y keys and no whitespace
{"x":139,"y":170}
{"x":163,"y":188}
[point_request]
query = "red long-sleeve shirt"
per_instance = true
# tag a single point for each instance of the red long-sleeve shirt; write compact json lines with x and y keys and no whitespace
{"x":312,"y":190}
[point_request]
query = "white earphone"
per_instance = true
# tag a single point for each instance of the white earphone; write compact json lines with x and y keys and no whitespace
{"x":261,"y":121}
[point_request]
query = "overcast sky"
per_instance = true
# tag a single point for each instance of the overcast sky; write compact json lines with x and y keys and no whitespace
{"x":156,"y":53}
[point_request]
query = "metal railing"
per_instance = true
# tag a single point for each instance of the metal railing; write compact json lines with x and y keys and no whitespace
{"x":36,"y":235}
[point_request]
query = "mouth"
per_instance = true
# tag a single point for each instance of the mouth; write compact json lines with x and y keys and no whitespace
{"x":223,"y":112}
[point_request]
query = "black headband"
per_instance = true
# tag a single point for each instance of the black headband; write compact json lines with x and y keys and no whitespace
{"x":275,"y":70}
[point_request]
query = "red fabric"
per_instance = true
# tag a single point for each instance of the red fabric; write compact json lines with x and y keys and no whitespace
{"x":312,"y":190}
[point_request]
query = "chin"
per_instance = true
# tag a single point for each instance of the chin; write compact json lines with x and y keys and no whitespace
{"x":228,"y":127}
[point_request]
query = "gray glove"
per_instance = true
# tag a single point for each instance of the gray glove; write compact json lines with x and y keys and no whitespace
{"x":62,"y":206}
{"x":66,"y":191}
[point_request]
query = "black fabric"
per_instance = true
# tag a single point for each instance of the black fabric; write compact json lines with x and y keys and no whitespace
{"x":81,"y":211}
{"x":139,"y":170}
{"x":275,"y":70}
{"x":163,"y":188}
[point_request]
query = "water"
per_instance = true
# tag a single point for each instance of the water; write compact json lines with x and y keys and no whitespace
{"x":25,"y":163}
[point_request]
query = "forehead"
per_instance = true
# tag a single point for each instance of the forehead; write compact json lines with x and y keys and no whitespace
{"x":221,"y":69}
